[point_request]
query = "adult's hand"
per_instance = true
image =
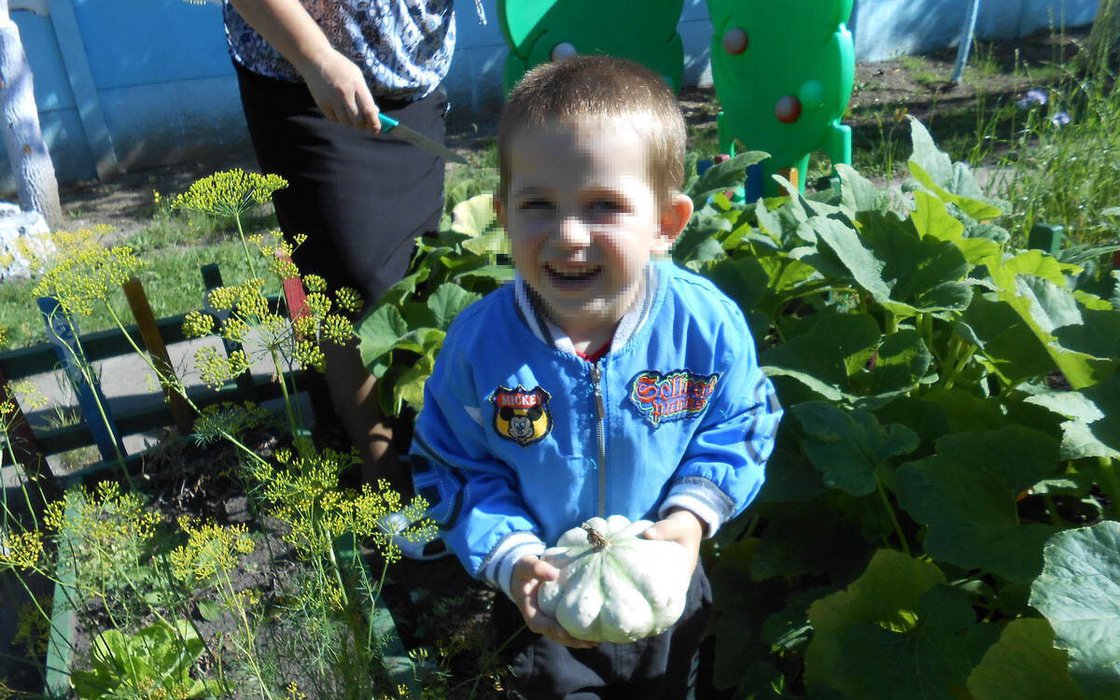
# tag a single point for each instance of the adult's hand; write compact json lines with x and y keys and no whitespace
{"x":336,"y":83}
{"x":339,"y":89}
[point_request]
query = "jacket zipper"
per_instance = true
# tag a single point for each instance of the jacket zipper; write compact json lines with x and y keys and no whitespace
{"x":601,"y":431}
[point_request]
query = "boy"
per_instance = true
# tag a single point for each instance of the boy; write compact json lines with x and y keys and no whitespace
{"x":604,"y":380}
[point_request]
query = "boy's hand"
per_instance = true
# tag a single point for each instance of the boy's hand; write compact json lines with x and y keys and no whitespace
{"x":528,"y":574}
{"x":682,"y":527}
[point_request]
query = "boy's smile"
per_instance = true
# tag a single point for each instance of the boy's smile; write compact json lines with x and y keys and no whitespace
{"x":584,"y":220}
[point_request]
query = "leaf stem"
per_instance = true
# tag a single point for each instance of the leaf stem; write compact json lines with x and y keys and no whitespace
{"x":1110,"y":483}
{"x":893,"y":516}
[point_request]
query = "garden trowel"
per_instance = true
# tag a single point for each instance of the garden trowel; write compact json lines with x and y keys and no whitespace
{"x":394,"y":129}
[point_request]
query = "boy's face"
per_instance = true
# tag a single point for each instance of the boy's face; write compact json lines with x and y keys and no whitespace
{"x":583,"y":220}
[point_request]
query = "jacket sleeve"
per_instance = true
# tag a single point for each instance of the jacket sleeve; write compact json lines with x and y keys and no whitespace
{"x":722,"y":468}
{"x":471,"y":495}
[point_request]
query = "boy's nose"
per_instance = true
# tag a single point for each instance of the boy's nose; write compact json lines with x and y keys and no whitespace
{"x":573,"y":232}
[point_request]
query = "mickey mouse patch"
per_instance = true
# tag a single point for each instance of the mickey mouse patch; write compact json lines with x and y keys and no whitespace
{"x":521,"y":414}
{"x":678,"y":395}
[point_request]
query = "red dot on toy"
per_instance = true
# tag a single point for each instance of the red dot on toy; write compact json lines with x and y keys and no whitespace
{"x":788,"y":109}
{"x":735,"y":41}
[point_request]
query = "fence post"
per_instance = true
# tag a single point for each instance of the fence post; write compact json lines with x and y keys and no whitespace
{"x":153,"y":343}
{"x":295,"y":298}
{"x":62,"y":334}
{"x":1046,"y":237}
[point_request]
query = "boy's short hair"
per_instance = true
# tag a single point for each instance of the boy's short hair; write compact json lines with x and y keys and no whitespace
{"x":599,"y":86}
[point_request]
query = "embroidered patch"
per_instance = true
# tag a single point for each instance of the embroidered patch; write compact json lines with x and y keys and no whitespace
{"x":521,"y":414}
{"x":675,"y":396}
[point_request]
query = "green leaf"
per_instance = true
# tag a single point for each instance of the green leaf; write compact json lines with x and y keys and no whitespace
{"x":1023,"y":665}
{"x":1096,"y":334}
{"x":857,"y":193}
{"x":744,"y":280}
{"x":1079,"y":593}
{"x":1044,"y":306}
{"x":925,"y":273}
{"x":1007,"y":345}
{"x":931,"y":218}
{"x":447,"y":301}
{"x":849,"y":446}
{"x":1093,"y":428}
{"x":739,"y":614}
{"x":488,"y":274}
{"x":931,"y":661}
{"x":861,"y":263}
{"x":899,"y":364}
{"x":806,"y":539}
{"x":494,"y":242}
{"x":965,"y":494}
{"x":887,"y":595}
{"x":475,"y":216}
{"x":826,"y":373}
{"x":409,"y":387}
{"x":952,"y":182}
{"x":378,"y":333}
{"x":209,"y":610}
{"x":724,"y":176}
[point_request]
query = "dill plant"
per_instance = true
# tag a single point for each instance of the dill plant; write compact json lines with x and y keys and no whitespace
{"x":107,"y":534}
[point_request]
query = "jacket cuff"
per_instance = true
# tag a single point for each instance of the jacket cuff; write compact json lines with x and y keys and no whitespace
{"x":497,"y":570}
{"x":703,"y":499}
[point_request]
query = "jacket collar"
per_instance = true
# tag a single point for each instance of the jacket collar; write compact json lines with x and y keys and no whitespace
{"x":531,"y":311}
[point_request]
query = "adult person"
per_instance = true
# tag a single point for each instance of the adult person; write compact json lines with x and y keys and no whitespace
{"x":314,"y":76}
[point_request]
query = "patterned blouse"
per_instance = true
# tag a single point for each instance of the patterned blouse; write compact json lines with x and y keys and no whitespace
{"x":404,"y":47}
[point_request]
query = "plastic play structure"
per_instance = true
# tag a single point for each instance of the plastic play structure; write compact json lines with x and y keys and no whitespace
{"x":783,"y":71}
{"x":645,"y":31}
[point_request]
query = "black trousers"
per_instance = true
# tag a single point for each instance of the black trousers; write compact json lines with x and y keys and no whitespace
{"x":361,"y":200}
{"x":664,"y":667}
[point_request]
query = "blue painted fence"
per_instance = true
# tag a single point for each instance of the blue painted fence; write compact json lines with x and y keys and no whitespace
{"x":134,"y":84}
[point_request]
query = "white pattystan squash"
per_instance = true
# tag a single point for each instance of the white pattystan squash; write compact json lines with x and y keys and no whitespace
{"x":615,"y":585}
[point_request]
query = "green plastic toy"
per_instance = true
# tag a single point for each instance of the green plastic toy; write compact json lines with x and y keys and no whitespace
{"x":783,"y":72}
{"x":539,"y":31}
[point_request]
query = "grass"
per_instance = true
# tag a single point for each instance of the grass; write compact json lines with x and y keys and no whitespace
{"x":173,"y":252}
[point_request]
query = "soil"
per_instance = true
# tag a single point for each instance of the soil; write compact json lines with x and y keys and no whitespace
{"x":885,"y":89}
{"x":435,"y":605}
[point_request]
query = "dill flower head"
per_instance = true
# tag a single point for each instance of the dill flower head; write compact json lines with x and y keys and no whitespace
{"x":210,"y":550}
{"x":229,"y":192}
{"x":21,"y":550}
{"x":3,"y":336}
{"x":215,"y":369}
{"x":348,"y":300}
{"x":228,"y":418}
{"x":197,"y":324}
{"x":85,"y":273}
{"x":107,"y":532}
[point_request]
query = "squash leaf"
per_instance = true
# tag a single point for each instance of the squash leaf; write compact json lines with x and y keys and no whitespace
{"x":1079,"y":593}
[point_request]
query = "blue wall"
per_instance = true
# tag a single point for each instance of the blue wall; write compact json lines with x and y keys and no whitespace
{"x":133,"y":84}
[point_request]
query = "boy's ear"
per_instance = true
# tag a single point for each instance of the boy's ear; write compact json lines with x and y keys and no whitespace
{"x":675,"y":215}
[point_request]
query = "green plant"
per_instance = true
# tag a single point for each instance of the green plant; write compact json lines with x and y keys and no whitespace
{"x":108,"y":548}
{"x":400,"y":338}
{"x":916,"y":479}
{"x":155,"y":663}
{"x":606,"y":568}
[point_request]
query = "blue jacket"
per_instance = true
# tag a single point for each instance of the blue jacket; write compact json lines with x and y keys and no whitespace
{"x":520,"y":439}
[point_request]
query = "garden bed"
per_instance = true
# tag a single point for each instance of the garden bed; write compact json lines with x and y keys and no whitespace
{"x":442,"y":609}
